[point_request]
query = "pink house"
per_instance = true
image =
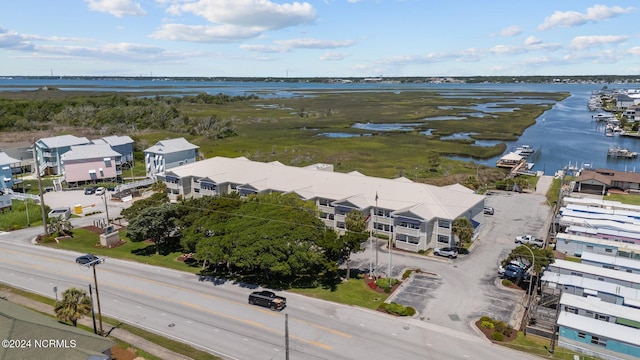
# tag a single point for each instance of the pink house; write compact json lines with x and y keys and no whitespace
{"x":91,"y":164}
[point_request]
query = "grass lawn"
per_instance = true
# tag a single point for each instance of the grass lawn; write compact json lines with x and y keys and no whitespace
{"x":540,"y":346}
{"x":352,"y":292}
{"x":86,"y":241}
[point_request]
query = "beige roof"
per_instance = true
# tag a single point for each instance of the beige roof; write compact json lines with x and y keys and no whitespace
{"x":426,"y":201}
{"x":511,"y":157}
{"x":19,"y":323}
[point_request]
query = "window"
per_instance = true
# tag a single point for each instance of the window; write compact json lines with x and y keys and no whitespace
{"x":608,"y":250}
{"x":581,"y":335}
{"x":589,"y":313}
{"x":407,"y":239}
{"x":589,"y":247}
{"x":340,"y":225}
{"x":408,"y":225}
{"x":602,"y":317}
{"x":443,"y":239}
{"x":570,"y":309}
{"x":324,"y":202}
{"x":445,"y":224}
{"x":596,"y":340}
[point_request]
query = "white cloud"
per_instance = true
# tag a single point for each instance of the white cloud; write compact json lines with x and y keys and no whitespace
{"x":262,"y":14}
{"x":118,"y":8}
{"x":595,"y":13}
{"x":532,"y":40}
{"x":308,"y":43}
{"x":510,"y":31}
{"x":292,"y":44}
{"x":585,"y":42}
{"x":635,"y":51}
{"x":204,"y":33}
{"x":333,"y":56}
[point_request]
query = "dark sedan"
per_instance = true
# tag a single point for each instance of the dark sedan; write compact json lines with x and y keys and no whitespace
{"x":87,"y":259}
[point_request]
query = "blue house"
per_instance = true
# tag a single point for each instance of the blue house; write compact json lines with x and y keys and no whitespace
{"x":167,"y":154}
{"x":122,"y":144}
{"x":7,"y":166}
{"x":49,"y":150}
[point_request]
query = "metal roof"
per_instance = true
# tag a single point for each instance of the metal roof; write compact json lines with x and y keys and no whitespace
{"x":170,"y":146}
{"x":63,"y":141}
{"x":91,"y":151}
{"x":593,"y":326}
{"x":427,"y":201}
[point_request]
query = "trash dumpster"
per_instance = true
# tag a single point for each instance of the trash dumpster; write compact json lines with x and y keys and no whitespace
{"x":78,"y":209}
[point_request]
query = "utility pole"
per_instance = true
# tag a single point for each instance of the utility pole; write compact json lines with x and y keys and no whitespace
{"x":93,"y":313}
{"x":286,"y":335}
{"x":370,"y":247}
{"x":106,"y":208}
{"x":95,"y":281}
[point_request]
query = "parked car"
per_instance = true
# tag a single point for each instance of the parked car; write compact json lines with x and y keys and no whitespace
{"x":86,"y":259}
{"x":501,"y":269}
{"x":89,"y":190}
{"x":100,"y":191}
{"x":449,"y":252}
{"x":529,"y":239}
{"x":488,"y":210}
{"x":515,"y":273}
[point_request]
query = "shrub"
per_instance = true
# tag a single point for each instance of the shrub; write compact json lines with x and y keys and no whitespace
{"x":507,"y":330}
{"x":384,"y":282}
{"x":398,"y":309}
{"x":487,"y":324}
{"x":406,"y":274}
{"x":507,"y":282}
{"x":497,"y":336}
{"x":486,"y":318}
{"x":499,"y":326}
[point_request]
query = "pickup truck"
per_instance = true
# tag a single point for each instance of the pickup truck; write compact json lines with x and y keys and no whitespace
{"x":267,"y":299}
{"x":529,"y":239}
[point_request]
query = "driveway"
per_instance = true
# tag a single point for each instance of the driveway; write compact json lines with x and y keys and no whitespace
{"x":455,"y":293}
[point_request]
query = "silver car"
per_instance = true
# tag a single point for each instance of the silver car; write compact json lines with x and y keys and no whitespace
{"x":449,"y":252}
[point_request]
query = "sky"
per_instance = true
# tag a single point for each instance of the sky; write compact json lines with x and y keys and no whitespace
{"x":324,"y":38}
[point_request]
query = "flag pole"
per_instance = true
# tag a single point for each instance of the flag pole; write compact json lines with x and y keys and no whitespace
{"x":375,"y":221}
{"x":371,"y":248}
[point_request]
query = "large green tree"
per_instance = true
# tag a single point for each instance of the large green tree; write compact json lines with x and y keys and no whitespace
{"x":138,"y":206}
{"x":273,"y":236}
{"x":155,"y":224}
{"x":74,"y":305}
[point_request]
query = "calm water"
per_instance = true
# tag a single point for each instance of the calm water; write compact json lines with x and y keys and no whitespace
{"x":566,"y":134}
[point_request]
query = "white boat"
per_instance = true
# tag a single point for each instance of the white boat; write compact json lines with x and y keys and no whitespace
{"x":621,"y":153}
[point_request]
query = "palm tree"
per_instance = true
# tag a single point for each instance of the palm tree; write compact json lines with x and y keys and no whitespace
{"x":463,"y":230}
{"x":74,"y":305}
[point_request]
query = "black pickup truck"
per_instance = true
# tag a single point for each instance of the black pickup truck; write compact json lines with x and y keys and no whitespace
{"x":267,"y":299}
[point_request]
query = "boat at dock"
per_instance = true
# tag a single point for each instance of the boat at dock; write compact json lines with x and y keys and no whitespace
{"x":617,"y":153}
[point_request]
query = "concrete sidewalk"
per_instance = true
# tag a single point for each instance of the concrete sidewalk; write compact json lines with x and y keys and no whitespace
{"x":117,"y":333}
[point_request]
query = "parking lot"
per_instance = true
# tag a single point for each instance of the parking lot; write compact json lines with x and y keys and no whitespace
{"x":93,"y":208}
{"x":455,"y":292}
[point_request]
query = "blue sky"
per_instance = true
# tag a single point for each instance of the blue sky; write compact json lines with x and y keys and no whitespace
{"x":330,"y":38}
